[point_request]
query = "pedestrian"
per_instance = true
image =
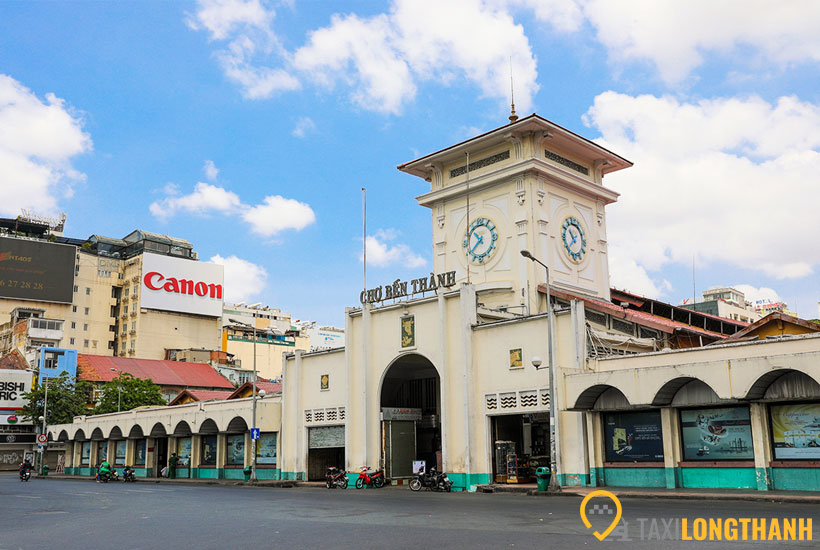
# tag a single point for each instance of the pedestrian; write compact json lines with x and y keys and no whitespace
{"x":172,"y":466}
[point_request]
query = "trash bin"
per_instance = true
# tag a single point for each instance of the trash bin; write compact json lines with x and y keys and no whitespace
{"x":45,"y":469}
{"x":247,"y":472}
{"x":542,"y":478}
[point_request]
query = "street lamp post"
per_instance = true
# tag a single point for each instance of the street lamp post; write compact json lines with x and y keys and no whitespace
{"x":554,"y":486}
{"x":253,"y":421}
{"x":43,"y":421}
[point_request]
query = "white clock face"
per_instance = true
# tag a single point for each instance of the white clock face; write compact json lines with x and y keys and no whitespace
{"x":574,"y":239}
{"x":480,"y":240}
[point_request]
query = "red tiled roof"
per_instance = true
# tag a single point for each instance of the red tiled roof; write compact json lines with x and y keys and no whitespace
{"x":13,"y":360}
{"x":202,"y":395}
{"x":269,"y":387}
{"x":772,"y":317}
{"x":97,"y":368}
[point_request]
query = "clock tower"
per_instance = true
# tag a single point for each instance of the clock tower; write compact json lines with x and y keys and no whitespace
{"x":532,"y":185}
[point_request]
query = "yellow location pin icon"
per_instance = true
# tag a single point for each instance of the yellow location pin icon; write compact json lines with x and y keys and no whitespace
{"x":618,"y":510}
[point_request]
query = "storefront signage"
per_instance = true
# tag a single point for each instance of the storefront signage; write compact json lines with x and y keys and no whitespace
{"x":796,"y":431}
{"x":633,"y":437}
{"x":186,"y":286}
{"x":397,"y":413}
{"x":717,"y":434}
{"x":400,"y":289}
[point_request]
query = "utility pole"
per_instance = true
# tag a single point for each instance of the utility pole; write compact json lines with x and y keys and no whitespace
{"x":253,"y":421}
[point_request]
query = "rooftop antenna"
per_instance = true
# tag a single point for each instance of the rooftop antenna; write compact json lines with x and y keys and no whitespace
{"x":513,"y":117}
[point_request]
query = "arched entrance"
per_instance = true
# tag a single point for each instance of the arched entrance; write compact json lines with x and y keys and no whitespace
{"x":410,"y":403}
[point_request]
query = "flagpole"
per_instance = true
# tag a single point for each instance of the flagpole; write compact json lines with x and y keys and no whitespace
{"x":468,"y":215}
{"x":364,"y":236}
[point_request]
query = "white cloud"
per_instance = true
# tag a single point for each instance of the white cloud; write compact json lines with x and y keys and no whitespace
{"x":37,"y":142}
{"x":205,"y":199}
{"x":303,"y":127}
{"x":210,"y":169}
{"x":728,"y":180}
{"x":753,"y":293}
{"x":380,"y":58}
{"x":243,"y":279}
{"x":674,"y":35}
{"x":277,"y":214}
{"x":381,"y":254}
{"x":626,"y":274}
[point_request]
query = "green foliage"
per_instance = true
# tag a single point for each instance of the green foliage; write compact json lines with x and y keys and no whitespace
{"x":126,"y":392}
{"x":66,"y":399}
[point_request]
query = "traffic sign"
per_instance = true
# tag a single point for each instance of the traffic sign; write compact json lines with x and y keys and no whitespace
{"x":254,"y":433}
{"x":42,"y":438}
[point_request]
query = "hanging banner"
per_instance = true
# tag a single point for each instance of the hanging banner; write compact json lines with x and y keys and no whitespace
{"x":717,"y":434}
{"x":796,"y":431}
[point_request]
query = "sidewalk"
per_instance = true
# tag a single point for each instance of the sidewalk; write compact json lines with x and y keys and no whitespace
{"x":809,"y":497}
{"x":184,"y":481}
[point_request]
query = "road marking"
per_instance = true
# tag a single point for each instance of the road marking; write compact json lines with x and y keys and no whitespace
{"x":27,"y":496}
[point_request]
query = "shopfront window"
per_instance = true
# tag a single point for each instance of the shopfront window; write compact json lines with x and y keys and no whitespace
{"x":119,"y":452}
{"x":184,"y":452}
{"x":236,"y":449}
{"x":796,"y":431}
{"x":208,"y":457}
{"x":139,"y":452}
{"x":633,"y":436}
{"x":717,"y":434}
{"x":102,"y":451}
{"x":266,"y":449}
{"x":85,"y":454}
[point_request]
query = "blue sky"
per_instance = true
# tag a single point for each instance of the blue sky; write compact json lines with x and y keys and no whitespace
{"x":249,"y":128}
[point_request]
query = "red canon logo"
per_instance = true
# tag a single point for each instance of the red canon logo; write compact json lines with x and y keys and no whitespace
{"x":154,"y":281}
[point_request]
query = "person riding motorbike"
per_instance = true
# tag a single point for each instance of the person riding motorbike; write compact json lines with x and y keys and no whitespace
{"x":25,"y":465}
{"x":105,"y":468}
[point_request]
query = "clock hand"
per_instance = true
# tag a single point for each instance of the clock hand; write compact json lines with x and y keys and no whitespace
{"x":479,"y":240}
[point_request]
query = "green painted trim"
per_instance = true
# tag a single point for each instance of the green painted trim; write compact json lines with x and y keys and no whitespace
{"x":573,"y":480}
{"x":596,"y":477}
{"x":268,"y":473}
{"x":764,"y":478}
{"x":795,"y":479}
{"x":144,"y":472}
{"x":463,"y":482}
{"x":293,"y":476}
{"x":634,"y":477}
{"x":719,"y":478}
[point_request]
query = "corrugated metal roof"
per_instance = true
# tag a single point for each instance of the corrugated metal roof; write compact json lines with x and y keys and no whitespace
{"x":97,"y":368}
{"x":269,"y":387}
{"x":203,"y":395}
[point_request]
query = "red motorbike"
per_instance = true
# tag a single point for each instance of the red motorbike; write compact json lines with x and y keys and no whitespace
{"x":336,"y":478}
{"x":370,"y":479}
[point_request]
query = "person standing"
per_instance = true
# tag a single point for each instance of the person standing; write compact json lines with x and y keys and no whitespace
{"x":172,"y":466}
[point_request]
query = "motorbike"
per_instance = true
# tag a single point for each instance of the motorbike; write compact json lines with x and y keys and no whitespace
{"x":336,"y":478}
{"x":128,"y":475}
{"x":25,"y":475}
{"x":368,"y":479}
{"x":432,"y":480}
{"x":105,"y":477}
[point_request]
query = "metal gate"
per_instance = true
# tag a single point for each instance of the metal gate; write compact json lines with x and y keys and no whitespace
{"x":399,"y":438}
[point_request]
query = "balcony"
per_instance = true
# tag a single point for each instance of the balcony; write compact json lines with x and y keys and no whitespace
{"x":124,"y":333}
{"x":135,"y":279}
{"x":131,"y":351}
{"x":134,"y":312}
{"x":123,"y":315}
{"x":134,"y":296}
{"x":132,"y":331}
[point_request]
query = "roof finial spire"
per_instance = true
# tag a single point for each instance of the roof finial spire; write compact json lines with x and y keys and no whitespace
{"x":513,"y":117}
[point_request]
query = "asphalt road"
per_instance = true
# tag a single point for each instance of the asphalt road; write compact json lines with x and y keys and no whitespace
{"x":57,"y":514}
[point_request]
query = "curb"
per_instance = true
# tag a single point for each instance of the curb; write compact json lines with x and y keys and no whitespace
{"x":273,"y":484}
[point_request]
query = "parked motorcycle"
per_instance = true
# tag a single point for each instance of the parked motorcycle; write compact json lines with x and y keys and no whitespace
{"x":25,"y":475}
{"x":128,"y":475}
{"x":336,"y":478}
{"x":105,"y":477}
{"x":432,"y":480}
{"x":370,"y":479}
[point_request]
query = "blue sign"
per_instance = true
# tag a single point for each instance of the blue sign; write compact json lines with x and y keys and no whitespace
{"x":254,"y":433}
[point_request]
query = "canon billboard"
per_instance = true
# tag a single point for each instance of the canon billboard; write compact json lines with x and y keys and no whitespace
{"x":186,"y":286}
{"x":36,"y":270}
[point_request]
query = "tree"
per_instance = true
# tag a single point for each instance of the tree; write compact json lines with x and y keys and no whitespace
{"x":66,"y":399}
{"x":126,"y":392}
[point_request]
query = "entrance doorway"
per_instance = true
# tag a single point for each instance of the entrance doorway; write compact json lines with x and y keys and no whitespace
{"x":326,"y":448}
{"x":520,"y":445}
{"x":161,"y":452}
{"x":411,"y":416}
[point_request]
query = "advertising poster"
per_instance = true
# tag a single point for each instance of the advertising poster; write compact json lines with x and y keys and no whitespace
{"x":208,"y":450}
{"x":717,"y":434}
{"x":119,"y":452}
{"x":85,"y":454}
{"x":175,"y":284}
{"x":13,"y":385}
{"x":796,"y":431}
{"x":266,"y":449}
{"x":236,"y":449}
{"x":184,"y":451}
{"x":139,"y":453}
{"x":633,"y":437}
